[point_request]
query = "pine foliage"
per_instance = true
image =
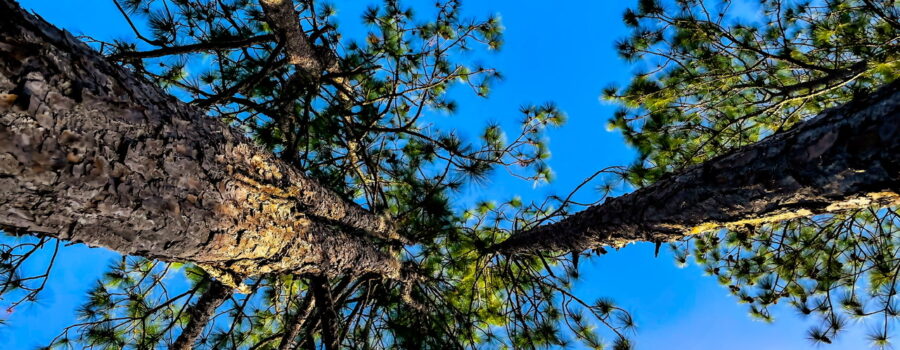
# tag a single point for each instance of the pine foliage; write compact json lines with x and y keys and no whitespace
{"x":712,"y":79}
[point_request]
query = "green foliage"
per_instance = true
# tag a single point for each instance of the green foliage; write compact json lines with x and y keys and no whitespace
{"x":362,"y":128}
{"x":517,"y":301}
{"x":129,"y":306}
{"x":712,"y":79}
{"x":836,"y":269}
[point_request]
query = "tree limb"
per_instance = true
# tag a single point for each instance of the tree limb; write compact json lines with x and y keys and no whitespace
{"x":283,"y":18}
{"x":200,"y":314}
{"x":292,"y":329}
{"x":197,"y":47}
{"x":843,"y":159}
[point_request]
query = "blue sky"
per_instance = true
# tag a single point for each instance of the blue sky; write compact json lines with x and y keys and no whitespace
{"x":560,"y":51}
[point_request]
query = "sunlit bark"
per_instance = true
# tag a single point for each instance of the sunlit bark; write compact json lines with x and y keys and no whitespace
{"x":90,"y":153}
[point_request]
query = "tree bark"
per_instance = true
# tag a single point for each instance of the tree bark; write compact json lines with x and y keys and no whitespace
{"x":284,"y":20}
{"x":281,"y":15}
{"x":90,"y":153}
{"x":845,"y":158}
{"x":200,"y":313}
{"x":325,"y":309}
{"x":292,"y":329}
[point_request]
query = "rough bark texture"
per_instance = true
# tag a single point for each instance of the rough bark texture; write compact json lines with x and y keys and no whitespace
{"x":199,"y":315}
{"x":90,"y":153}
{"x":845,"y":158}
{"x":281,"y":15}
{"x":285,"y":20}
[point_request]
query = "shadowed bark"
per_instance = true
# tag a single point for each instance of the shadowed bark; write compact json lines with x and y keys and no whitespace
{"x":200,"y":313}
{"x":90,"y":153}
{"x":281,"y":15}
{"x":293,"y":328}
{"x":845,"y":158}
{"x":325,"y":308}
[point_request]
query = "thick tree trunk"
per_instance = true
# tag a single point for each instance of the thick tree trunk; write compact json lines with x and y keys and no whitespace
{"x":847,"y":157}
{"x":90,"y":153}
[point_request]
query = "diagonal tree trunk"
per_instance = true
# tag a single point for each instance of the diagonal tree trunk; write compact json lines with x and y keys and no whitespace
{"x":90,"y":153}
{"x":847,"y":157}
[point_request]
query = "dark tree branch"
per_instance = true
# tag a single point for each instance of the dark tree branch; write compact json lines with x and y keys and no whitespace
{"x":843,"y":159}
{"x":293,"y":328}
{"x":325,"y":308}
{"x":283,"y":18}
{"x":198,"y":47}
{"x":200,"y":314}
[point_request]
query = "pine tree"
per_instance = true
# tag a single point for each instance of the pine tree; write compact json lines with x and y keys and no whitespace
{"x":331,"y":226}
{"x":274,"y":217}
{"x":715,"y":80}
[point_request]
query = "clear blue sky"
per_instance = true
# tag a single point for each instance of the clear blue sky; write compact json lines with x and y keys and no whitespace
{"x":559,"y":51}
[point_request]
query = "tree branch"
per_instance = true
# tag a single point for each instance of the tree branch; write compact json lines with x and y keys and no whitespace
{"x":325,"y":308}
{"x":843,"y":159}
{"x":292,"y":329}
{"x":197,"y":47}
{"x":200,"y":314}
{"x":283,"y":18}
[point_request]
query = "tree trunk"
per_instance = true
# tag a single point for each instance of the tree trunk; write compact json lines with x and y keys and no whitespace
{"x":90,"y":153}
{"x":847,"y":157}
